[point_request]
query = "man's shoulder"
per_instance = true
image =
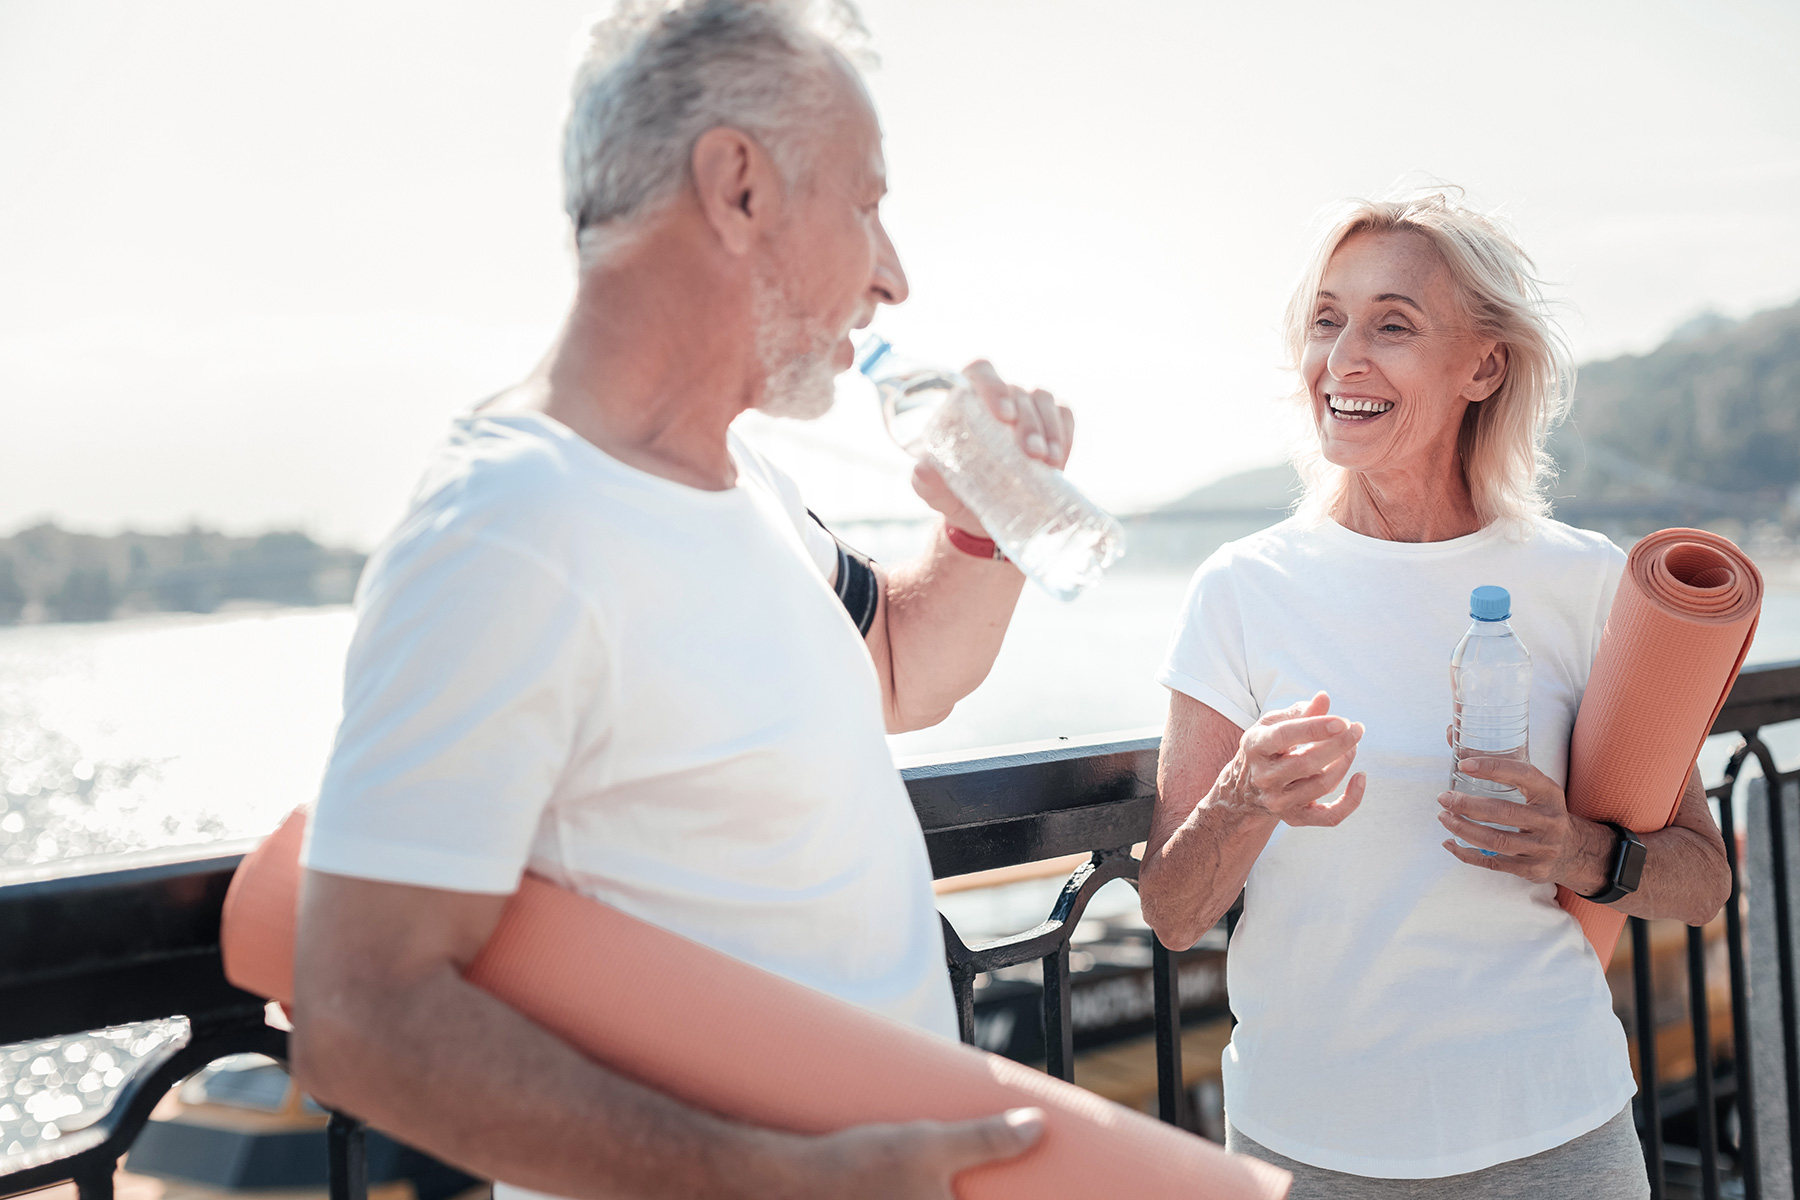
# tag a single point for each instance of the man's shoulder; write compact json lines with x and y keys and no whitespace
{"x":756,"y":470}
{"x":517,"y":472}
{"x":510,"y":484}
{"x":494,"y":458}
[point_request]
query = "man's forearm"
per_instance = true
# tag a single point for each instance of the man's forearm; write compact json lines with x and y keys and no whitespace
{"x":943,"y":617}
{"x":446,"y":1067}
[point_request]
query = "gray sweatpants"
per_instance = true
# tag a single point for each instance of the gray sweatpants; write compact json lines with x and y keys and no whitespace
{"x":1607,"y":1164}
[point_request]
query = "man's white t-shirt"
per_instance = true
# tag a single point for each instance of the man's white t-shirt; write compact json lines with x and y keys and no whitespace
{"x":643,"y":691}
{"x":1402,"y":1014}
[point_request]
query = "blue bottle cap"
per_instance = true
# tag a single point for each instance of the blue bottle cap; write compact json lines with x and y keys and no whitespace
{"x":870,"y":353}
{"x":1490,"y":603}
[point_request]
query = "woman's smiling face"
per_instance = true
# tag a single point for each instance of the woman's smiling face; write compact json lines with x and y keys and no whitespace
{"x":1390,"y":363}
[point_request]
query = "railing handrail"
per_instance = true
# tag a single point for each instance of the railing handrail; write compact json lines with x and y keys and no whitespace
{"x":1763,"y":695}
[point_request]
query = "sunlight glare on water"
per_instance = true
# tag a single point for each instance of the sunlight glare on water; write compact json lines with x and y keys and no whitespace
{"x":162,"y":731}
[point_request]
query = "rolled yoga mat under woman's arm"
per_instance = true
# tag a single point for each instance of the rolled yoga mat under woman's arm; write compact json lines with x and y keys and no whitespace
{"x":1676,"y":637}
{"x":738,"y":1041}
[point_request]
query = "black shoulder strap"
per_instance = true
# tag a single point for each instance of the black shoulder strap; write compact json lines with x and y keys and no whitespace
{"x":856,"y":582}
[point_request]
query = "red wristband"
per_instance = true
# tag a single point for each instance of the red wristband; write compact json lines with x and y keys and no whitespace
{"x":979,"y":547}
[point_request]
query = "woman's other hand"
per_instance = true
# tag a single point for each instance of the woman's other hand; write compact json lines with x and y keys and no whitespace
{"x":1686,"y":875}
{"x":1552,"y":844}
{"x":1291,"y":760}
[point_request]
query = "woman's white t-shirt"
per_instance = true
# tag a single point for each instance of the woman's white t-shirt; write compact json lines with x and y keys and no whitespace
{"x":644,"y":691}
{"x":1402,"y":1014}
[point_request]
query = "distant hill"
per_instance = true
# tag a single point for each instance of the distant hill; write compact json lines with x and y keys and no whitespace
{"x":52,"y":574}
{"x":1273,"y":489}
{"x":1705,"y":426}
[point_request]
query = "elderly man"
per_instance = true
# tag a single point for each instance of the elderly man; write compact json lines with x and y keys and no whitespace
{"x":604,"y":645}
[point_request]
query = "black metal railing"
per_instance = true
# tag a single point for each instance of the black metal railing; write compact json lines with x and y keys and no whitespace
{"x":137,"y":944}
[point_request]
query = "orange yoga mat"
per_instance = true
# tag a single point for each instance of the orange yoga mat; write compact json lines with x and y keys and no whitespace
{"x":1674,"y":642}
{"x":738,"y":1041}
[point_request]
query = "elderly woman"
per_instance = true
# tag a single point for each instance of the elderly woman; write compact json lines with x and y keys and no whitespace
{"x":1414,"y":1018}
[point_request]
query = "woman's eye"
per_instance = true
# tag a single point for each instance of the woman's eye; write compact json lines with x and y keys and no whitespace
{"x":1324,"y":323}
{"x":1390,"y":327}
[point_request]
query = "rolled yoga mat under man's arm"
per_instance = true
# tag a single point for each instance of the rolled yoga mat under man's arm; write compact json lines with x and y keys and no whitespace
{"x":746,"y":1044}
{"x":1676,"y":637}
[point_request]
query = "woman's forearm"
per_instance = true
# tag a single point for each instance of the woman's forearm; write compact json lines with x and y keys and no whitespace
{"x":1220,"y":792}
{"x":1685,"y":878}
{"x":1194,"y":877}
{"x":1686,"y":875}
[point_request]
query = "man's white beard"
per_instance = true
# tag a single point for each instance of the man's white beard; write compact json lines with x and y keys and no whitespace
{"x":799,"y":378}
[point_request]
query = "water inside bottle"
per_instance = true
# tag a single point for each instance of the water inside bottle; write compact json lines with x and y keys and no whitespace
{"x":1485,"y":669}
{"x":910,"y":394}
{"x":1061,"y":540}
{"x":908,"y":402}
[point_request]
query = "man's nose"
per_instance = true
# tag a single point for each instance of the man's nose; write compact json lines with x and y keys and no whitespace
{"x":889,"y":283}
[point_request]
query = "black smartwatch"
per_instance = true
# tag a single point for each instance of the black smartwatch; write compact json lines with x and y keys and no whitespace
{"x":1627,"y":867}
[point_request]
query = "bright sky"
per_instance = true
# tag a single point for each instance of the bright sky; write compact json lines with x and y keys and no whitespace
{"x":253,"y":256}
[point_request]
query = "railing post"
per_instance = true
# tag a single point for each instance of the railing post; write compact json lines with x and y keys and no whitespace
{"x":962,"y":980}
{"x":1171,"y":1094}
{"x":96,"y":1183}
{"x":1784,"y":955}
{"x":1649,"y":1102}
{"x":1749,"y":1163}
{"x":1059,"y":1026}
{"x":347,"y":1145}
{"x":1706,"y":1108}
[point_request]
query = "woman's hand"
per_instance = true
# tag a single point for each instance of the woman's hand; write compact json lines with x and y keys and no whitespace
{"x":1221,"y":791}
{"x":1552,"y":844}
{"x":1292,"y":759}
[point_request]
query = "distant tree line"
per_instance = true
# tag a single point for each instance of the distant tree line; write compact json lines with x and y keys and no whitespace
{"x":53,"y":574}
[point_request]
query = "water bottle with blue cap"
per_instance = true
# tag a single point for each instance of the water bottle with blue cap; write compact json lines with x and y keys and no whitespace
{"x":1490,"y":686}
{"x":1061,"y":540}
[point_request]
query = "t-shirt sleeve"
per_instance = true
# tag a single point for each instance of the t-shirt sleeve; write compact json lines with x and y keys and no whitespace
{"x":474,"y":670}
{"x":1206,"y":658}
{"x":820,"y":545}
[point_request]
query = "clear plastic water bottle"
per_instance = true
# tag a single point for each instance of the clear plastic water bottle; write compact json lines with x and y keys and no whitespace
{"x":1490,"y":687}
{"x":1061,"y":540}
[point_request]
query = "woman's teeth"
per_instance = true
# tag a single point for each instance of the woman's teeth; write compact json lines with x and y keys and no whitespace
{"x":1352,"y":409}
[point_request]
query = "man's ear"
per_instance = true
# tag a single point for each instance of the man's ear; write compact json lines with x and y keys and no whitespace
{"x":737,"y":185}
{"x":1490,"y":373}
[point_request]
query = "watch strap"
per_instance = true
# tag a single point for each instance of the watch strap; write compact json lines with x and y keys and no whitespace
{"x":1627,"y":866}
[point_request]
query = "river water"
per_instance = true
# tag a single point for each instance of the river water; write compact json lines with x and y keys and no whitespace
{"x":177,"y":730}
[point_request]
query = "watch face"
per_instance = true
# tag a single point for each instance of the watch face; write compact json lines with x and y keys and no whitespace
{"x":1631,"y":864}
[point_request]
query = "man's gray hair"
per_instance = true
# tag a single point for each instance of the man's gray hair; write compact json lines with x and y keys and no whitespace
{"x":662,"y":72}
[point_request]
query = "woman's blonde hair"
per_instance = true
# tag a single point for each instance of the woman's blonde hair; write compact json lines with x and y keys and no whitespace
{"x":1502,"y":440}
